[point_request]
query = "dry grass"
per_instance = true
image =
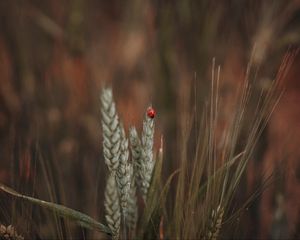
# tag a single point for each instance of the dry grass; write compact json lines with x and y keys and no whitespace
{"x":203,"y":188}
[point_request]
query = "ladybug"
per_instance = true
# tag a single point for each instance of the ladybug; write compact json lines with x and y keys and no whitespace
{"x":151,"y":112}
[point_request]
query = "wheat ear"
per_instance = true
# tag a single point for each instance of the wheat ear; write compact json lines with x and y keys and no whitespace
{"x":132,"y":209}
{"x":9,"y":233}
{"x":123,"y":172}
{"x":111,"y":130}
{"x":112,"y":206}
{"x":136,"y":154}
{"x":147,"y":162}
{"x":216,"y":223}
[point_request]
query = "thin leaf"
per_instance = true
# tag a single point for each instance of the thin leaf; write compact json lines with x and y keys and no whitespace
{"x":80,"y":218}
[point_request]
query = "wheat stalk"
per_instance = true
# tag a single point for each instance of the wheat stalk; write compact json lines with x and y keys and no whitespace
{"x":147,"y":162}
{"x":123,"y":172}
{"x":112,"y":206}
{"x":9,"y":233}
{"x":216,"y":223}
{"x":111,"y":131}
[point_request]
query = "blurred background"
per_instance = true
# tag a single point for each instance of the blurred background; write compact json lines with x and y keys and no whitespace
{"x":55,"y":55}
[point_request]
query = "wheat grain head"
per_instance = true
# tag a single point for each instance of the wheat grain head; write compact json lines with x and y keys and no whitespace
{"x":9,"y":233}
{"x":111,"y":130}
{"x":136,"y":154}
{"x":112,"y":206}
{"x":147,"y":162}
{"x":123,"y":172}
{"x":132,"y":209}
{"x":215,"y":223}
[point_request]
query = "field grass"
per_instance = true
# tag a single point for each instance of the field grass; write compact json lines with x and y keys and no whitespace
{"x":197,"y":200}
{"x":149,"y":120}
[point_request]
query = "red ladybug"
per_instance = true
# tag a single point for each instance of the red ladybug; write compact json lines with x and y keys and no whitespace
{"x":151,"y":112}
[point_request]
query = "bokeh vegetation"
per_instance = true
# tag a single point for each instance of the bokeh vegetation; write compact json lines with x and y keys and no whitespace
{"x":55,"y":56}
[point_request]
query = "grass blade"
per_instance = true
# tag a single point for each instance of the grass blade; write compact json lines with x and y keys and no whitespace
{"x":80,"y":218}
